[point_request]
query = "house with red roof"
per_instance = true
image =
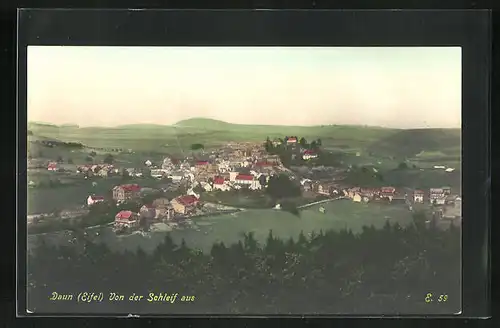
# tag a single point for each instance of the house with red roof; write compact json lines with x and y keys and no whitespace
{"x":418,"y":196}
{"x":245,"y":179}
{"x":387,"y":193}
{"x":126,"y":219}
{"x":126,"y":192}
{"x":92,"y":199}
{"x":220,"y":184}
{"x":184,"y":204}
{"x":291,"y":140}
{"x":52,"y":166}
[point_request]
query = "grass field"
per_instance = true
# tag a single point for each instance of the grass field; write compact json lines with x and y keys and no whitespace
{"x":45,"y":200}
{"x":228,"y":228}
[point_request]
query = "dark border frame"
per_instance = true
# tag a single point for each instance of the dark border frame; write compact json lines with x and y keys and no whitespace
{"x":469,"y":29}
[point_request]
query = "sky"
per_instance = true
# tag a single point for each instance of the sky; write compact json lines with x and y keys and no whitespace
{"x":405,"y":87}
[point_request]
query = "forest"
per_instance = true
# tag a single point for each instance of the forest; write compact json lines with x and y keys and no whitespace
{"x":393,"y":270}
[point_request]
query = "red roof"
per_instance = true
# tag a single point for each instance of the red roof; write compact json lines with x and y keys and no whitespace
{"x":244,"y":177}
{"x":97,"y":197}
{"x":52,"y":165}
{"x":291,"y":140}
{"x":131,"y":187}
{"x":202,"y":163}
{"x":124,"y":215}
{"x":219,"y":180}
{"x":187,"y":200}
{"x":309,"y":152}
{"x":389,"y":190}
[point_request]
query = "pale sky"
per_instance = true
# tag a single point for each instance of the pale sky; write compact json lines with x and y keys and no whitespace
{"x":408,"y":87}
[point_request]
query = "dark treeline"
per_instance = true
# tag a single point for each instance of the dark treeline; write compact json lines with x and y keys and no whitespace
{"x":55,"y":143}
{"x":389,"y":270}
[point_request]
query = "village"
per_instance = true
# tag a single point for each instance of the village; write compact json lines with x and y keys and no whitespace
{"x":239,"y":167}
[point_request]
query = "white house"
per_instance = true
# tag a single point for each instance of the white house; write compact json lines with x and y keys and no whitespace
{"x":255,"y":185}
{"x":206,"y":186}
{"x":148,"y":163}
{"x":176,"y":176}
{"x":437,"y":196}
{"x":233,"y":175}
{"x":418,"y":196}
{"x":91,"y":200}
{"x":309,"y":154}
{"x":159,"y":173}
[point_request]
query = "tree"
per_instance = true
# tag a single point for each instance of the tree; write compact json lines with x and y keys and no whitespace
{"x":303,"y":142}
{"x":93,"y":153}
{"x":314,"y":145}
{"x":125,"y":174}
{"x":263,"y":180}
{"x":60,"y":159}
{"x":109,"y":159}
{"x":402,"y":166}
{"x":70,"y":160}
{"x":281,"y":186}
{"x":268,"y":145}
{"x":197,"y":146}
{"x":89,"y":159}
{"x":198,"y":189}
{"x":318,"y":142}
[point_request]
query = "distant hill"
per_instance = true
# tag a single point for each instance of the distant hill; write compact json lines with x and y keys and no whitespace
{"x":41,"y":124}
{"x":410,"y":142}
{"x":140,"y":126}
{"x":202,"y":123}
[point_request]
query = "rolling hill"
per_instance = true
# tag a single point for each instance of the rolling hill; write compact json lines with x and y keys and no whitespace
{"x":409,"y":143}
{"x":210,"y":132}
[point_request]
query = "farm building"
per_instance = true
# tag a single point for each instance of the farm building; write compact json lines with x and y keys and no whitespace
{"x":126,"y":192}
{"x":437,"y":196}
{"x":126,"y":219}
{"x":91,"y":200}
{"x":309,"y":154}
{"x":418,"y":196}
{"x":163,"y":209}
{"x":184,"y":204}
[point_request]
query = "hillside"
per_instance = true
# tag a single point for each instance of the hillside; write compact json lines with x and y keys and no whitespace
{"x":203,"y":123}
{"x":409,"y":143}
{"x":153,"y":137}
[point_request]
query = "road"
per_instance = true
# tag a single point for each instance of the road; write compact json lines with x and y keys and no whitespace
{"x":321,"y":202}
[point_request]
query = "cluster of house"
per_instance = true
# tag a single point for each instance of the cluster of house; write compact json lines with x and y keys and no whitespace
{"x":435,"y":196}
{"x":161,"y":209}
{"x":293,"y":142}
{"x":102,"y":170}
{"x":232,"y":167}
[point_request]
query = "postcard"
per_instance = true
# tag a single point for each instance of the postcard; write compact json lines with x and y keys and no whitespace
{"x":244,"y":180}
